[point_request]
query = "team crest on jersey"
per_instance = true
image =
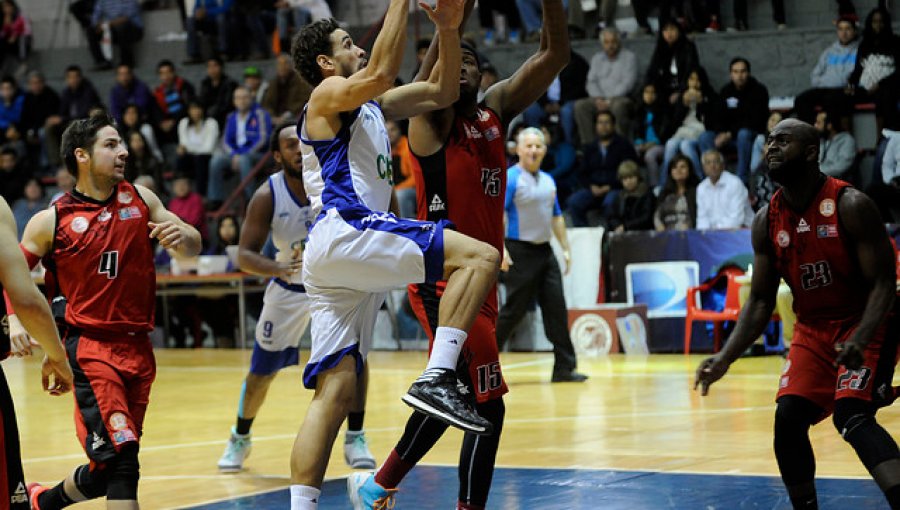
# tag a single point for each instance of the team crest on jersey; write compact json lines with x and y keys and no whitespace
{"x":483,"y":115}
{"x":803,"y":226}
{"x":128,"y":213}
{"x":826,"y":207}
{"x":105,"y":215}
{"x":829,"y":230}
{"x":783,"y":238}
{"x":118,"y":422}
{"x":79,"y":225}
{"x":492,"y":134}
{"x":125,"y":197}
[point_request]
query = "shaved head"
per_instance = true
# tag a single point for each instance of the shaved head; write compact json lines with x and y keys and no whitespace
{"x":792,"y":152}
{"x":803,"y":132}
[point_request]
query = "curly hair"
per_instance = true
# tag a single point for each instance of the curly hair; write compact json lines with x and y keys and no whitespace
{"x":81,"y":134}
{"x":310,"y":42}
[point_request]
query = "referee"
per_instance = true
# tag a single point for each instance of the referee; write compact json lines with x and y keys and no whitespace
{"x":532,"y":216}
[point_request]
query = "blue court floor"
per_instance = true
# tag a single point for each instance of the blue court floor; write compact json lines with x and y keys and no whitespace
{"x":434,"y":487}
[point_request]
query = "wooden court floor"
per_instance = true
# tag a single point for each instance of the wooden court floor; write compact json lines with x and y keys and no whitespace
{"x":633,"y":413}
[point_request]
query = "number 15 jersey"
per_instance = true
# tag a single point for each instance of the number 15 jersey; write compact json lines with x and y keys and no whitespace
{"x":102,"y":260}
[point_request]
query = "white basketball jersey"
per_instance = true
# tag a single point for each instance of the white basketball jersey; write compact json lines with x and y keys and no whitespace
{"x":352,"y":169}
{"x":291,"y":221}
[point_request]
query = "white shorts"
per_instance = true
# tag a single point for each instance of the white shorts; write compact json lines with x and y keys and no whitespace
{"x":284,"y":318}
{"x":352,"y":258}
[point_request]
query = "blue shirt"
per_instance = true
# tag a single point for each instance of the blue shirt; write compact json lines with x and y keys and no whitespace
{"x":530,"y":205}
{"x":108,"y":10}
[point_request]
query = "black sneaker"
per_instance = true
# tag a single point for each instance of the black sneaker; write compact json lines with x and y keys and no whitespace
{"x":435,"y":393}
{"x":568,"y":376}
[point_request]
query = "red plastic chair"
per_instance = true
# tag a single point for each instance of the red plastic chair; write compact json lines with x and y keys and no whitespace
{"x":729,"y":313}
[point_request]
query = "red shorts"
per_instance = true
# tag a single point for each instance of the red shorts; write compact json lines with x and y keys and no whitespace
{"x":112,"y":390}
{"x":479,"y":362}
{"x":810,"y":370}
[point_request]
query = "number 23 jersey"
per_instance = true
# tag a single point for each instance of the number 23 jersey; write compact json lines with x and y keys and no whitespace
{"x":815,"y":257}
{"x":102,"y":259}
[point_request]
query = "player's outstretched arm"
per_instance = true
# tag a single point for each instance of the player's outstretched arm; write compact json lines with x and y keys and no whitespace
{"x":338,"y":94}
{"x":254,"y":232}
{"x":441,"y":89}
{"x":432,"y":54}
{"x":30,"y":305}
{"x":511,"y":96}
{"x":861,"y":221}
{"x":171,"y":232}
{"x":757,"y":310}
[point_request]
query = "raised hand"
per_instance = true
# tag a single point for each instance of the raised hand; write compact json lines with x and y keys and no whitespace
{"x":446,"y":13}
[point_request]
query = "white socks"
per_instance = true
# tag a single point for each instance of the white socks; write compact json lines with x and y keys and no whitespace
{"x":448,"y":343}
{"x":304,"y":497}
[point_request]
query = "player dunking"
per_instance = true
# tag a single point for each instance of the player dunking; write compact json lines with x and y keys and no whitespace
{"x":96,"y":241}
{"x":32,"y":308}
{"x":280,"y":206}
{"x":461,"y":176}
{"x":827,"y":241}
{"x":356,"y":250}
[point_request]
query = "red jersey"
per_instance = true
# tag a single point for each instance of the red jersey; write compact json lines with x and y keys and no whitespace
{"x":102,"y":260}
{"x":815,"y":258}
{"x":465,"y":181}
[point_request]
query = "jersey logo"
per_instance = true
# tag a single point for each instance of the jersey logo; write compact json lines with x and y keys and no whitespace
{"x":125,"y":197}
{"x":492,"y":134}
{"x":826,"y":207}
{"x":98,"y":442}
{"x":490,"y":181}
{"x":472,"y":132}
{"x":437,"y":204}
{"x":783,"y":238}
{"x":20,"y":495}
{"x":128,"y":213}
{"x":105,"y":215}
{"x":815,"y":275}
{"x":385,"y":170}
{"x":79,"y":224}
{"x":829,"y":230}
{"x":803,"y":226}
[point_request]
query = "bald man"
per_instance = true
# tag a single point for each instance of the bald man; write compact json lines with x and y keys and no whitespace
{"x":827,"y":241}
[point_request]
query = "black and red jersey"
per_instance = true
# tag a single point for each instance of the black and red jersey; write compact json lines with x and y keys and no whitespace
{"x":465,"y":181}
{"x":102,"y":261}
{"x":815,"y":258}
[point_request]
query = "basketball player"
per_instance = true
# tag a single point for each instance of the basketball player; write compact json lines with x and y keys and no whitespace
{"x":96,"y":242}
{"x":827,"y":241}
{"x":56,"y":374}
{"x":356,"y":250}
{"x":461,"y":176}
{"x":280,"y":206}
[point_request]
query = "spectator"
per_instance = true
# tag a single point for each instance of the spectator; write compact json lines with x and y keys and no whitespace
{"x":677,"y":204}
{"x":125,"y":25}
{"x":222,"y":313}
{"x":585,"y":19}
{"x":197,"y":139}
{"x":762,"y":187}
{"x":65,"y":182}
{"x":531,"y":14}
{"x":402,"y":164}
{"x":652,"y":128}
{"x":132,"y":121}
{"x":172,"y":96}
{"x":147,"y":182}
{"x":633,"y":206}
{"x":697,"y":107}
{"x":740,"y":14}
{"x":876,"y":63}
{"x":886,"y":193}
{"x":11,"y":101}
{"x":288,"y":93}
{"x":78,"y":98}
{"x":837,"y":149}
{"x":12,"y":175}
{"x":488,"y":12}
{"x":559,"y":161}
{"x":187,"y":204}
{"x":249,"y":14}
{"x":558,"y":104}
{"x":217,"y":91}
{"x":246,"y":133}
{"x":82,"y":10}
{"x":141,"y":160}
{"x":129,"y":90}
{"x":745,"y":110}
{"x":673,"y":59}
{"x":598,"y":174}
{"x":722,"y":199}
{"x":611,"y":78}
{"x":30,"y":204}
{"x":254,"y":82}
{"x":41,"y":103}
{"x":15,"y":33}
{"x":829,"y":76}
{"x":291,"y":14}
{"x":209,"y":17}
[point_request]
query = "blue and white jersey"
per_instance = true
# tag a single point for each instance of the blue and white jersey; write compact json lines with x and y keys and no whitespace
{"x":354,"y":168}
{"x":530,"y":205}
{"x":291,"y":222}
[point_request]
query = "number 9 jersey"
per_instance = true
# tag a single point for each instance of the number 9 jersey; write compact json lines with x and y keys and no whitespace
{"x":102,"y":260}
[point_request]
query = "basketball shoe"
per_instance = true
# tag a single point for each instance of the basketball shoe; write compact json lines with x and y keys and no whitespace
{"x":366,"y":494}
{"x":236,"y":450}
{"x":35,"y":490}
{"x":435,"y":393}
{"x":356,"y":451}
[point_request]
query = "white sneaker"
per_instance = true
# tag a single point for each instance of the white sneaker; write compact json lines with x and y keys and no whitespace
{"x":356,"y":451}
{"x":236,"y":450}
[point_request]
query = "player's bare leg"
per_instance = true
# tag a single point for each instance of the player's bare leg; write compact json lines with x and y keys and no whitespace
{"x":253,"y":394}
{"x":470,"y":267}
{"x":356,"y":447}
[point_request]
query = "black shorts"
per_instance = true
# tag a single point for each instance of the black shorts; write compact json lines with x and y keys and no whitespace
{"x":12,"y":480}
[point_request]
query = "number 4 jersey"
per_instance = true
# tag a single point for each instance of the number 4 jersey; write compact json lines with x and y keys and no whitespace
{"x":814,"y":256}
{"x":102,"y":261}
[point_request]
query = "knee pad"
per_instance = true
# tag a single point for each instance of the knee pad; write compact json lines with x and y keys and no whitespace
{"x":91,"y":483}
{"x":124,"y":473}
{"x":850,"y":414}
{"x":795,"y":414}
